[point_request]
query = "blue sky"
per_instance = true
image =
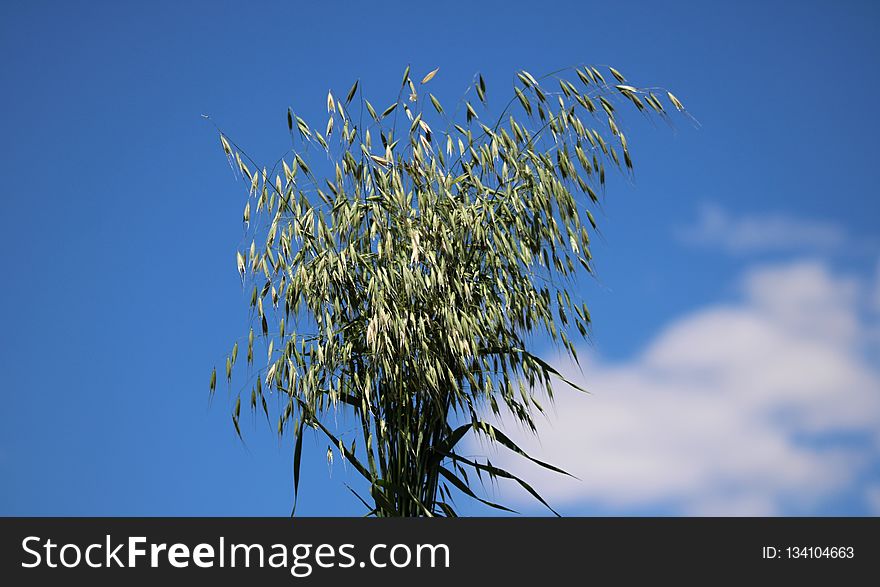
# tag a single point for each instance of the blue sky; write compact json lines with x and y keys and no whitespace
{"x":123,"y":220}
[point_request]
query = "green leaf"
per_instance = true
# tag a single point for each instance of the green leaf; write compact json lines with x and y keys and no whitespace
{"x":297,"y":458}
{"x":351,"y":92}
{"x":462,"y":486}
{"x":506,"y":475}
{"x":501,"y":438}
{"x":389,"y":110}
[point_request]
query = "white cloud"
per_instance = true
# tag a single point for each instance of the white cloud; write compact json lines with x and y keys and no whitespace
{"x":750,"y":234}
{"x":729,"y":409}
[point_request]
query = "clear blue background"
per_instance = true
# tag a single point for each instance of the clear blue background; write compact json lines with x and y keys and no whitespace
{"x":121,"y":217}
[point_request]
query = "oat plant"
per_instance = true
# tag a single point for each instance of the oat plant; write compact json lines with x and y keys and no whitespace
{"x":403,"y":256}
